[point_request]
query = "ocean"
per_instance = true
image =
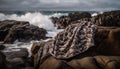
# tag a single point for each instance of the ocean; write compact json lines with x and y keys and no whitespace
{"x":37,"y":18}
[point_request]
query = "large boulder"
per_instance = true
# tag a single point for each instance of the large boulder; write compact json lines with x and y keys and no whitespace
{"x":16,"y":53}
{"x":19,"y":30}
{"x":2,"y":47}
{"x":54,"y":19}
{"x":104,"y":55}
{"x":77,"y":15}
{"x":6,"y":25}
{"x":18,"y":59}
{"x":19,"y":63}
{"x":2,"y":61}
{"x":107,"y":40}
{"x":36,"y":46}
{"x":107,"y":19}
{"x":92,"y":62}
{"x":64,"y":21}
{"x":35,"y":50}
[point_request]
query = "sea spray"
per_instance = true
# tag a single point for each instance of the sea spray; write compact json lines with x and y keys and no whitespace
{"x":37,"y":19}
{"x":96,"y":13}
{"x":58,"y":15}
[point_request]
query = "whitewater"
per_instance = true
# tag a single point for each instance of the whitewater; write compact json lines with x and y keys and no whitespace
{"x":37,"y":19}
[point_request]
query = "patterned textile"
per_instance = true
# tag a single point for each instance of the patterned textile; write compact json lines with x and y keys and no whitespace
{"x":75,"y":39}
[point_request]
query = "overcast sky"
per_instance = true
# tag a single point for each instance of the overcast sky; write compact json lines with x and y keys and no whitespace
{"x":81,"y":5}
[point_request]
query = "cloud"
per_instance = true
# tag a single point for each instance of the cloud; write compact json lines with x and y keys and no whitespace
{"x":59,"y":4}
{"x":49,"y":1}
{"x":25,"y":3}
{"x":70,"y":1}
{"x":58,"y":1}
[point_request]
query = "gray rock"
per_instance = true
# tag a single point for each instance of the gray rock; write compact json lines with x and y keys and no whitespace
{"x":20,"y":30}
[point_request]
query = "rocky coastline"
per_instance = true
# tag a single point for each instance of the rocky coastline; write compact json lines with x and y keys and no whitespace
{"x":104,"y":55}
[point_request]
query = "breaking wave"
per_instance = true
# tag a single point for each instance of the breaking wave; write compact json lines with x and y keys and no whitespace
{"x":35,"y":18}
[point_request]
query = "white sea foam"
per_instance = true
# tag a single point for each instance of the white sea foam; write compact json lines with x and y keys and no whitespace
{"x":36,"y":19}
{"x":58,"y":14}
{"x":96,"y":13}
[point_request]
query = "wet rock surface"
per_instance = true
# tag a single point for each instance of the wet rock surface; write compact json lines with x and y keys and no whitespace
{"x":20,"y":53}
{"x":104,"y":55}
{"x":36,"y":46}
{"x":15,"y":60}
{"x":2,"y":61}
{"x":95,"y":62}
{"x":11,"y":31}
{"x":77,"y":15}
{"x":107,"y":19}
{"x":19,"y":30}
{"x":2,"y":47}
{"x":64,"y":21}
{"x":35,"y":54}
{"x":19,"y":63}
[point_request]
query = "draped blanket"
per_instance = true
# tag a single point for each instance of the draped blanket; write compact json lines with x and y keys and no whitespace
{"x":75,"y":39}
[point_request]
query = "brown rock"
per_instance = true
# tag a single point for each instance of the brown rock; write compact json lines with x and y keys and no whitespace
{"x":6,"y":25}
{"x":19,"y":30}
{"x":108,"y":62}
{"x":84,"y":63}
{"x":17,"y":63}
{"x":2,"y":61}
{"x":77,"y":15}
{"x":54,"y":19}
{"x":107,"y":19}
{"x":107,"y":41}
{"x":2,"y":47}
{"x":28,"y":68}
{"x":104,"y":55}
{"x":93,"y":62}
{"x":53,"y":63}
{"x":20,"y":53}
{"x":64,"y":21}
{"x":35,"y":51}
{"x":36,"y":46}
